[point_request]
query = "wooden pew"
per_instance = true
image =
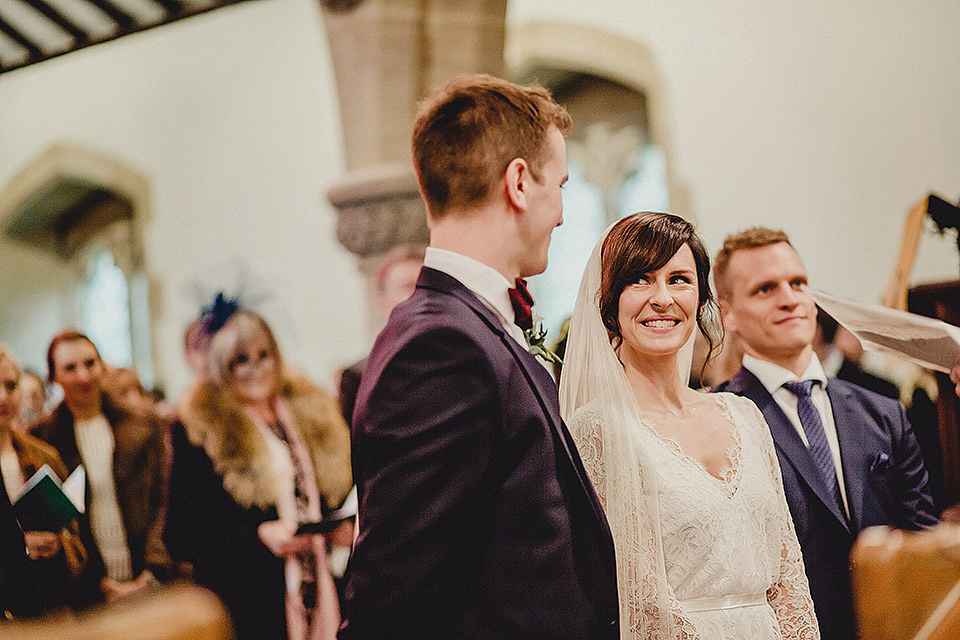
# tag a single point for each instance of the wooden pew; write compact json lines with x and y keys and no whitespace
{"x":179,"y":612}
{"x":907,"y":584}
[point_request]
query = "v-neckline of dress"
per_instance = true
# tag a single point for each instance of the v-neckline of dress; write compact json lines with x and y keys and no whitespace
{"x":729,"y":478}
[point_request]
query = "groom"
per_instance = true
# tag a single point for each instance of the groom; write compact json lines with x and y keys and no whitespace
{"x":476,"y":519}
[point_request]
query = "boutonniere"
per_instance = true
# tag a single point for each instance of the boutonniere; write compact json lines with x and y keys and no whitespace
{"x":535,"y":336}
{"x":532,"y":326}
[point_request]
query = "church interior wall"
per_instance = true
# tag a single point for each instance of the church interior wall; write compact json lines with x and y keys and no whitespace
{"x":828,"y":120}
{"x":232,"y":117}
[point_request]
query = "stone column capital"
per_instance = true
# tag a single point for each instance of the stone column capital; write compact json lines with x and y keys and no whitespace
{"x":379,"y":207}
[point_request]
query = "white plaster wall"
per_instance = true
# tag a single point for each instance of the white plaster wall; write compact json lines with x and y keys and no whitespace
{"x":233,"y":119}
{"x":35,"y":295}
{"x":826,"y":119}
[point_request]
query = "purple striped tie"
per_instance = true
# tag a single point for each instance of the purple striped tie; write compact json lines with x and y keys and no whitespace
{"x":816,"y":438}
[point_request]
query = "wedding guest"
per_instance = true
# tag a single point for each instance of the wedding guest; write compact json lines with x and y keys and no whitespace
{"x":20,"y":595}
{"x":849,"y":456}
{"x":689,"y":480}
{"x":124,"y":463}
{"x":476,"y":519}
{"x":34,"y":394}
{"x":122,"y":385}
{"x":58,"y":556}
{"x":257,"y":450}
{"x":195,"y":345}
{"x":396,"y":279}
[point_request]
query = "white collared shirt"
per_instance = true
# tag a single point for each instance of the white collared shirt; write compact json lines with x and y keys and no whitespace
{"x":486,"y":282}
{"x":773,"y":376}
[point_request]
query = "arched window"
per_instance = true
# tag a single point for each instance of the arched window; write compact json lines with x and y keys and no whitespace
{"x":104,"y":304}
{"x":70,"y":239}
{"x":615,"y":170}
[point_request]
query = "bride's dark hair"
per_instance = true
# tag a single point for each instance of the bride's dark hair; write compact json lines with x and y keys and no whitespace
{"x":641,"y":243}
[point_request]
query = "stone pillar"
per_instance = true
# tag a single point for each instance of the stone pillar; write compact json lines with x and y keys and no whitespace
{"x":387,"y":55}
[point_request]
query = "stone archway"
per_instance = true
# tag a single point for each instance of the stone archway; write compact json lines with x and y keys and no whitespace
{"x":52,"y":213}
{"x":535,"y":48}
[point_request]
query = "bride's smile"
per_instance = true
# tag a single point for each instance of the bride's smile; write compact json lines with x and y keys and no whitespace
{"x":658,"y":313}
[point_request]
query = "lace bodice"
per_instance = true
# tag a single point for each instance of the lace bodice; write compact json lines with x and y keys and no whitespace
{"x":731,"y":562}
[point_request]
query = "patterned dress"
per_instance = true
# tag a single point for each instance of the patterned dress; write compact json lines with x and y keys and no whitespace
{"x":731,"y":557}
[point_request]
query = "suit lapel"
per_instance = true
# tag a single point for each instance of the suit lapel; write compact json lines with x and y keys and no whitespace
{"x":786,"y":438}
{"x":851,"y":438}
{"x":537,"y":376}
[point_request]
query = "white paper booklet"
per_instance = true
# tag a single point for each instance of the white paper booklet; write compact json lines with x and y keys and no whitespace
{"x":75,"y":486}
{"x":924,"y":341}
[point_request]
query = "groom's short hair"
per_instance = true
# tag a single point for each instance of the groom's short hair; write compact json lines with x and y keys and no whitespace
{"x":467,"y":133}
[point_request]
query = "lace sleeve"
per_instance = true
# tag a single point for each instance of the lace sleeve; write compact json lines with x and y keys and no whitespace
{"x":790,"y":595}
{"x":648,"y":606}
{"x":585,"y":429}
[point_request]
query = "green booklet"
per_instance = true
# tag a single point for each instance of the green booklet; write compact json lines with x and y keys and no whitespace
{"x":42,"y":505}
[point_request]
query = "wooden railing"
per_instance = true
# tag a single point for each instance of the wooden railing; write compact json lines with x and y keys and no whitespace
{"x":181,"y":612}
{"x":907,"y":584}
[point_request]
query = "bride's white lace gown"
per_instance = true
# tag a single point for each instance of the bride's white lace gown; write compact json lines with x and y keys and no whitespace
{"x":731,"y":558}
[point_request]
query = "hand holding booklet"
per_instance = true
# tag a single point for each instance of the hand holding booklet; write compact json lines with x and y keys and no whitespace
{"x":924,"y":341}
{"x":42,"y":505}
{"x":332,"y":519}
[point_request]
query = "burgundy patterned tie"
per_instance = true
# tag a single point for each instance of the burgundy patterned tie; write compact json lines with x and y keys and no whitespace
{"x":522,"y":303}
{"x":816,"y":437}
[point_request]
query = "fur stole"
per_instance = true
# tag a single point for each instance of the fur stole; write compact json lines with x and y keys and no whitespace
{"x":214,"y":419}
{"x":33,"y":453}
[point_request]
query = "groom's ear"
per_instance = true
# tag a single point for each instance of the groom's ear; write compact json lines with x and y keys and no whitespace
{"x":516,"y":178}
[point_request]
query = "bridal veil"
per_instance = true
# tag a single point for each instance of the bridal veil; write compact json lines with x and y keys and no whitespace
{"x":599,"y":408}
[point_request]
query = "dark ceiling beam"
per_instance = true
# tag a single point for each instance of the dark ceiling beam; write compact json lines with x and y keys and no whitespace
{"x":186,"y":12}
{"x":172,"y":7}
{"x":123,"y":19}
{"x":77,"y":33}
{"x":8,"y":30}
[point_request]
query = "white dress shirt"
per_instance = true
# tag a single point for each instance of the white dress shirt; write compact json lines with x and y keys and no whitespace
{"x":772,"y":377}
{"x":486,"y":282}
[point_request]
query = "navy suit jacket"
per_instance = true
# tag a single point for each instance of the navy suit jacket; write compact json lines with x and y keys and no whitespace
{"x":884,"y":476}
{"x":476,"y":518}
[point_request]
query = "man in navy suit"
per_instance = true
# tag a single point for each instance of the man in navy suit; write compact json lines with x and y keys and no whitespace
{"x":476,"y":518}
{"x":848,"y":456}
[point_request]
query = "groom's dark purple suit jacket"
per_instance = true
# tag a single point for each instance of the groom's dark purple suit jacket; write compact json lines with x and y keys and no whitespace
{"x":884,"y":475}
{"x":476,"y":518}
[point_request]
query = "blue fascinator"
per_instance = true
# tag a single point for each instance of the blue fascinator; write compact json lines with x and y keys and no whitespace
{"x":216,"y":315}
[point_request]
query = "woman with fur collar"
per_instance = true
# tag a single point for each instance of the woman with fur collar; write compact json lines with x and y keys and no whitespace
{"x":257,"y":450}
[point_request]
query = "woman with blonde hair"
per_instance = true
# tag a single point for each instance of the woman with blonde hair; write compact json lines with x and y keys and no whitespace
{"x":60,"y":556}
{"x":257,"y":450}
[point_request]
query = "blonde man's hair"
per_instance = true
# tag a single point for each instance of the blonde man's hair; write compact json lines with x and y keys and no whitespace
{"x":753,"y":238}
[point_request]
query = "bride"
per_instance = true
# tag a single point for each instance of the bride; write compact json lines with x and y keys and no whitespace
{"x":689,"y":480}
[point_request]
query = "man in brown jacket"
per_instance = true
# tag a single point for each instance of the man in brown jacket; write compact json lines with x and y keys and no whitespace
{"x":124,"y":462}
